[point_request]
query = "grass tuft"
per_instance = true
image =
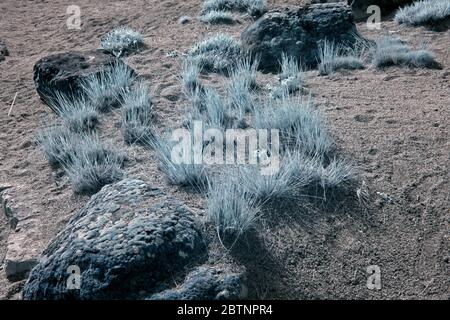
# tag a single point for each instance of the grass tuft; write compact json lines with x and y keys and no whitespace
{"x":122,"y":41}
{"x":77,"y":113}
{"x":391,"y":51}
{"x":254,"y":8}
{"x":424,"y":12}
{"x":58,"y":144}
{"x":231,"y":208}
{"x":88,"y":163}
{"x":181,"y":174}
{"x":217,"y":111}
{"x":299,"y":124}
{"x":190,"y":78}
{"x":291,"y":77}
{"x":338,"y":173}
{"x":217,"y":17}
{"x":219,"y":53}
{"x":241,"y":87}
{"x":137,"y":115}
{"x":104,"y":91}
{"x":336,"y":58}
{"x":93,"y":166}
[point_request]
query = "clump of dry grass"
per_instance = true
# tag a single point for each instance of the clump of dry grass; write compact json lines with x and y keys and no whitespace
{"x":122,"y":41}
{"x":391,"y":51}
{"x":219,"y":53}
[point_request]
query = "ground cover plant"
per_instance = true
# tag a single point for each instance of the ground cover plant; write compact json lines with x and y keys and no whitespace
{"x":122,"y":40}
{"x":390,"y":51}
{"x":137,"y":114}
{"x":218,"y":53}
{"x":104,"y":91}
{"x":255,"y":8}
{"x":335,"y":58}
{"x":217,"y":17}
{"x":424,"y":12}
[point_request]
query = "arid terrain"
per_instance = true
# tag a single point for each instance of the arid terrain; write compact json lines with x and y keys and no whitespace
{"x":393,"y":123}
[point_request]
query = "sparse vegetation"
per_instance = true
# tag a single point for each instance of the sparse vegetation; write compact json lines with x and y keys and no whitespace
{"x":219,"y":53}
{"x":105,"y":91}
{"x":137,"y":115}
{"x":190,"y":78}
{"x":255,"y":8}
{"x":217,"y":17}
{"x":216,"y":110}
{"x":181,"y":174}
{"x":88,"y":163}
{"x":58,"y":144}
{"x":395,"y":52}
{"x":77,"y":114}
{"x":240,"y":99}
{"x":93,"y":165}
{"x":291,"y":77}
{"x":299,"y":123}
{"x":335,"y":58}
{"x":241,"y":87}
{"x":236,"y":201}
{"x":424,"y":12}
{"x":337,"y":174}
{"x":298,"y":176}
{"x":245,"y":71}
{"x":231,"y":208}
{"x":269,"y":188}
{"x":122,"y":40}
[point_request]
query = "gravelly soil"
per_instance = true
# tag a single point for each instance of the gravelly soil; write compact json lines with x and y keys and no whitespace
{"x":393,"y":123}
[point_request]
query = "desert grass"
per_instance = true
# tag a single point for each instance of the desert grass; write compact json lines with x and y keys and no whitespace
{"x":104,"y":91}
{"x":217,"y":17}
{"x":138,"y":116}
{"x":424,"y":12}
{"x":254,"y":8}
{"x":299,"y":123}
{"x":291,"y":78}
{"x":390,"y":51}
{"x":89,"y":163}
{"x":181,"y":174}
{"x":122,"y":40}
{"x":231,"y":208}
{"x":93,"y":165}
{"x":77,"y":113}
{"x":335,"y":58}
{"x":218,"y":53}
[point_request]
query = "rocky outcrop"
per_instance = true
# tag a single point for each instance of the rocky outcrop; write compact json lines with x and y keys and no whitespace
{"x":24,"y":239}
{"x":3,"y":51}
{"x":298,"y":32}
{"x":64,"y":72}
{"x":208,"y":283}
{"x":127,"y":240}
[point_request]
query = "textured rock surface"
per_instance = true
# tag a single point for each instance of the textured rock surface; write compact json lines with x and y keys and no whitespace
{"x":298,"y":32}
{"x":3,"y":51}
{"x":65,"y":71}
{"x":125,"y":241}
{"x":208,"y":283}
{"x":359,"y":7}
{"x":22,"y":250}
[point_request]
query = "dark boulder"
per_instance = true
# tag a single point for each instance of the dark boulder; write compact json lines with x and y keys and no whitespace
{"x":64,"y":72}
{"x":298,"y":32}
{"x":126,"y":241}
{"x":359,"y":7}
{"x":208,"y":283}
{"x":3,"y":51}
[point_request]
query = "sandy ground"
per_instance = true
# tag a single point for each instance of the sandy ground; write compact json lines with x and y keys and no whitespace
{"x":394,"y":124}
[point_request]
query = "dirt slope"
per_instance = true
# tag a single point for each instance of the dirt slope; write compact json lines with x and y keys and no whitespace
{"x":393,"y":123}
